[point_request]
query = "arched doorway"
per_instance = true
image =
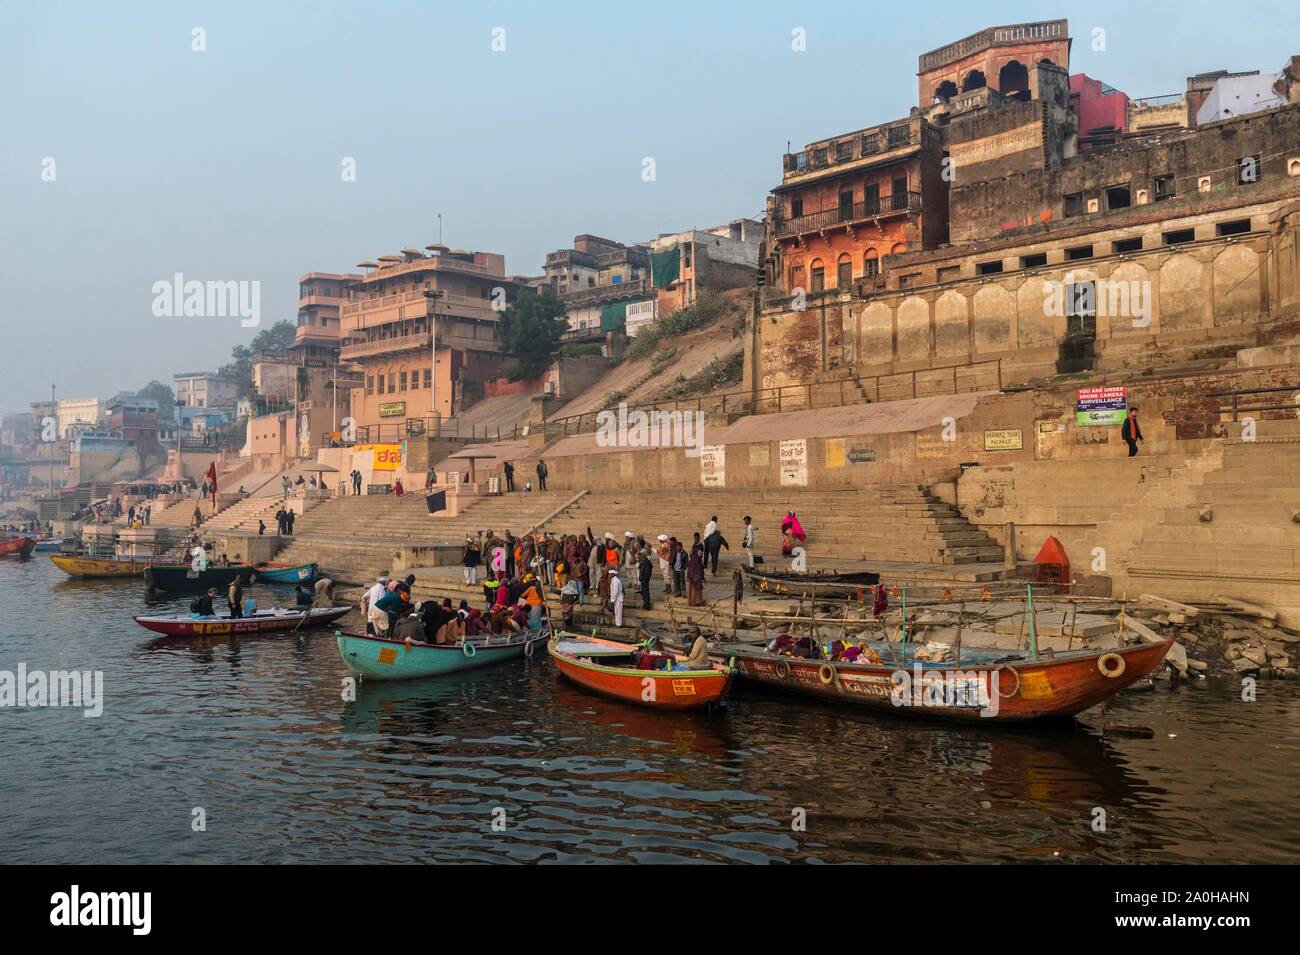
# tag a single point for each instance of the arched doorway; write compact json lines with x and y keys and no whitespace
{"x":974,"y":81}
{"x":945,"y":91}
{"x":1013,"y":80}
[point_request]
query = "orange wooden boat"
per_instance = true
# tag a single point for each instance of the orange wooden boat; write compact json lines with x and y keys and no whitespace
{"x":20,"y":547}
{"x":990,"y":685}
{"x":614,"y":669}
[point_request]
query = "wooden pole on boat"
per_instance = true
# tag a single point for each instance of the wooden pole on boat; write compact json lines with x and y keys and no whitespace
{"x":672,"y":616}
{"x":1033,"y":634}
{"x":904,"y":624}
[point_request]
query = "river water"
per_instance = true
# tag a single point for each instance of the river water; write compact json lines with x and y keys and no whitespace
{"x":513,"y":764}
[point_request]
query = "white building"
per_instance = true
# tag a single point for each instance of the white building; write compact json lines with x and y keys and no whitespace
{"x":1238,"y":95}
{"x":83,"y":411}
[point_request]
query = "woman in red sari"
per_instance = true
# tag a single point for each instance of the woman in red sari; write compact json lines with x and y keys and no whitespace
{"x":791,"y":533}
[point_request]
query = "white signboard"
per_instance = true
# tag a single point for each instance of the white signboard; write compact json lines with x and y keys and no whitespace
{"x":794,"y":462}
{"x":713,"y":465}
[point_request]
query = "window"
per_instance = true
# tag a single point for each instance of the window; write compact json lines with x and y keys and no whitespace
{"x":1128,"y":245}
{"x":911,"y":278}
{"x":1179,"y":236}
{"x":381,"y":384}
{"x":686,"y":256}
{"x":1081,"y":310}
{"x":1162,"y":187}
{"x":988,"y":268}
{"x":428,"y":377}
{"x":1118,"y":197}
{"x":844,"y":272}
{"x":819,"y":156}
{"x":1033,"y":261}
{"x":843,"y":151}
{"x":818,"y":276}
{"x":796,"y":208}
{"x":846,"y":205}
{"x":370,"y":384}
{"x":870,"y":263}
{"x":1248,"y":170}
{"x":871,"y":199}
{"x":1078,"y":252}
{"x":949,"y":273}
{"x":402,"y":380}
{"x":1074,"y":204}
{"x":1238,"y":227}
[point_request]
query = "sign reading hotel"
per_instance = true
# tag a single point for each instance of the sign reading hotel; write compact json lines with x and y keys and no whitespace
{"x":1007,"y":440}
{"x":713,"y":465}
{"x":1100,"y":406}
{"x":392,"y":409}
{"x":794,"y":463}
{"x":388,"y":457}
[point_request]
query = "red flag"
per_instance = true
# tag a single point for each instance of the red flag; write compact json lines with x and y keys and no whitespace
{"x":212,"y":481}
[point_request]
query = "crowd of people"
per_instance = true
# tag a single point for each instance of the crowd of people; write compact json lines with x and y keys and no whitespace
{"x":390,"y":612}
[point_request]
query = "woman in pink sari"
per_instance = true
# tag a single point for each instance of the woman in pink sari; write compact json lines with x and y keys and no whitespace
{"x":791,"y":533}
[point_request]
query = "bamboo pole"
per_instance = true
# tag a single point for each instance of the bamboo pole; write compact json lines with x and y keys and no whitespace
{"x":1033,"y":635}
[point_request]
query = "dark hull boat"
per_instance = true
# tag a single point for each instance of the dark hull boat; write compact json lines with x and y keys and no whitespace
{"x":183,"y":578}
{"x":813,"y":583}
{"x":263,"y":621}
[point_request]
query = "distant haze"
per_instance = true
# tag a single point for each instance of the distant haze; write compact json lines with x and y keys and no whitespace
{"x":225,"y":165}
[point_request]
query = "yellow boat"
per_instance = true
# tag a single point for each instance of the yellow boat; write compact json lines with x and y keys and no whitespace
{"x":89,"y":567}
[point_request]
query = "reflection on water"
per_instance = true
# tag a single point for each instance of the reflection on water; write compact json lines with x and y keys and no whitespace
{"x":255,"y":731}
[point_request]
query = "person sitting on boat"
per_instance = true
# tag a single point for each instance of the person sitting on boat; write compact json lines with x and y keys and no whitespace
{"x":305,"y":597}
{"x":475,"y":624}
{"x":202,"y":605}
{"x":698,"y":658}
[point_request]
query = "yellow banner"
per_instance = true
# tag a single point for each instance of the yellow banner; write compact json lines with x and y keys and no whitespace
{"x":388,"y":457}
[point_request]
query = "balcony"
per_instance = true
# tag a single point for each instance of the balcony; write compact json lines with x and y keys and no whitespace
{"x":414,"y":305}
{"x":385,"y":346}
{"x":898,"y":203}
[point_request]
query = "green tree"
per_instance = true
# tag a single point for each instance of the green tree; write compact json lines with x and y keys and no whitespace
{"x":273,"y":340}
{"x":530,"y":330}
{"x":165,"y":397}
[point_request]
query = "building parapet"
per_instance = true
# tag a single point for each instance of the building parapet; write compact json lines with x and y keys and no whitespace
{"x":993,"y":36}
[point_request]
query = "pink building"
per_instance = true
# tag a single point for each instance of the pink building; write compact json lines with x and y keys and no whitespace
{"x":1102,"y":110}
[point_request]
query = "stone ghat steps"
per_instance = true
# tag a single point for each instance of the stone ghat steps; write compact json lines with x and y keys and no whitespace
{"x":246,"y":514}
{"x":846,"y":523}
{"x":180,"y":514}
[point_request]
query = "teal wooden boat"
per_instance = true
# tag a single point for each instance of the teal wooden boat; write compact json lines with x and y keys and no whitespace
{"x":277,"y":573}
{"x":378,"y":658}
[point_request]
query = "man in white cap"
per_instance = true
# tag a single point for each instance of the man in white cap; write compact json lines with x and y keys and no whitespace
{"x":616,"y":595}
{"x":372,"y":595}
{"x":665,"y":569}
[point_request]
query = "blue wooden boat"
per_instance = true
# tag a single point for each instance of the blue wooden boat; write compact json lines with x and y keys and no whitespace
{"x":47,"y":544}
{"x":276,"y":573}
{"x":378,"y":658}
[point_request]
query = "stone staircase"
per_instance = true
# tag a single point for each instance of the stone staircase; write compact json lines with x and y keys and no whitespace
{"x":244,"y":515}
{"x":354,"y":539}
{"x":902,"y":523}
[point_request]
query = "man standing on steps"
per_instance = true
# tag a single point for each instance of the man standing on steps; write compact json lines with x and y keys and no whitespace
{"x":747,"y":545}
{"x":541,"y":474}
{"x":713,"y":543}
{"x":616,"y":595}
{"x":1131,"y":433}
{"x":646,"y":570}
{"x":510,"y":477}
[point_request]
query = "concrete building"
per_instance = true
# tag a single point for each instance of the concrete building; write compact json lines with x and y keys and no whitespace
{"x":205,"y":390}
{"x":77,"y":411}
{"x":717,"y":259}
{"x":598,"y":279}
{"x":1103,"y":111}
{"x":1156,"y":249}
{"x":1238,"y":94}
{"x":321,"y":298}
{"x":386,"y":333}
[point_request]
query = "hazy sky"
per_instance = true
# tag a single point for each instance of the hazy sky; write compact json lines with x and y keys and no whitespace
{"x":226,"y":164}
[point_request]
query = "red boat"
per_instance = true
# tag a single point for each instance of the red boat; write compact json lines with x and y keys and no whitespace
{"x":611,"y":668}
{"x":986,"y":684}
{"x":20,"y":547}
{"x":263,"y":621}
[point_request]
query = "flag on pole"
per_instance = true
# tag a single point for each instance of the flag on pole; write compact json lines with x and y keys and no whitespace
{"x":212,"y":481}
